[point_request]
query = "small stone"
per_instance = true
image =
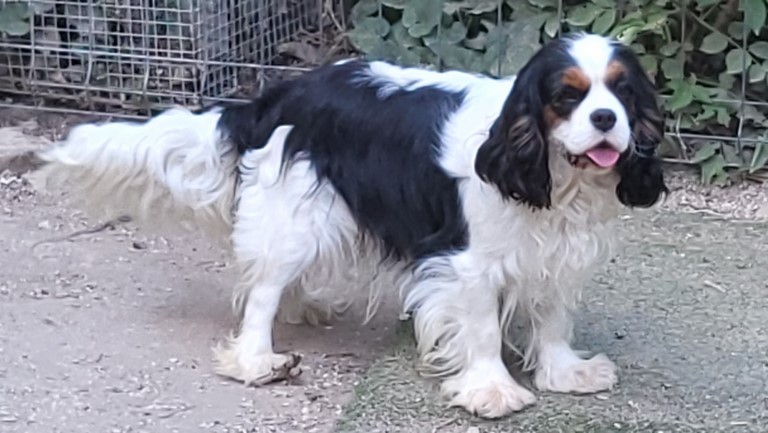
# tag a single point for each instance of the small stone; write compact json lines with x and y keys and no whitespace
{"x":473,"y":429}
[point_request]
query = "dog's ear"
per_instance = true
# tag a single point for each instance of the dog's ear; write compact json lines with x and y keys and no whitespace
{"x":515,"y":157}
{"x":642,"y":178}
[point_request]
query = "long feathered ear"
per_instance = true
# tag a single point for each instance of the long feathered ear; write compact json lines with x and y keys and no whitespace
{"x":642,"y":178}
{"x":515,"y":157}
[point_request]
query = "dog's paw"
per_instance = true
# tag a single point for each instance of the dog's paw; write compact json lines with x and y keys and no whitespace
{"x":491,"y":398}
{"x":256,"y":370}
{"x":585,"y":376}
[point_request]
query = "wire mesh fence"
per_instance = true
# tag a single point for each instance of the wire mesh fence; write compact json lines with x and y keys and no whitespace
{"x":136,"y":56}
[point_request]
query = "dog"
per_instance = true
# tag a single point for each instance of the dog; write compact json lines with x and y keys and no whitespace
{"x":494,"y":200}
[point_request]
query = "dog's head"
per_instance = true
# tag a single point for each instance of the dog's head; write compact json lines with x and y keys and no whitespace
{"x":586,"y":99}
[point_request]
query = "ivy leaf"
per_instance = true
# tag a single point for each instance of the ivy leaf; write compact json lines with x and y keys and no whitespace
{"x":670,"y":49}
{"x":606,"y":4}
{"x":760,"y":157}
{"x":682,"y":95}
{"x":391,"y":51}
{"x":735,"y":61}
{"x":603,"y":23}
{"x":650,"y":65}
{"x":714,"y":43}
{"x":368,"y":33}
{"x":706,"y":151}
{"x":420,"y":17}
{"x":759,"y":49}
{"x":552,"y":25}
{"x":542,"y":3}
{"x":583,"y":16}
{"x":450,"y":36}
{"x":473,"y":7}
{"x":756,"y":73}
{"x":512,"y":43}
{"x":736,"y":30}
{"x":726,"y":80}
{"x":672,"y":68}
{"x":14,"y":19}
{"x":401,"y":36}
{"x":754,"y":14}
{"x":362,"y":9}
{"x":713,"y":170}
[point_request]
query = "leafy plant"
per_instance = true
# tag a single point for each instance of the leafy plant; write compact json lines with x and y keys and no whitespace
{"x":14,"y":18}
{"x":701,"y":54}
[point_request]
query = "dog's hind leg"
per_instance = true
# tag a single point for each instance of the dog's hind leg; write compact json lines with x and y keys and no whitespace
{"x":285,"y":223}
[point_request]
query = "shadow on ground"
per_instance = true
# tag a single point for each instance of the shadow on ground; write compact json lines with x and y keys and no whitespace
{"x":683,"y":311}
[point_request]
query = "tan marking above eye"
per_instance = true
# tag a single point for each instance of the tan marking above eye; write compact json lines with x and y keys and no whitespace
{"x":575,"y":78}
{"x":613,"y":71}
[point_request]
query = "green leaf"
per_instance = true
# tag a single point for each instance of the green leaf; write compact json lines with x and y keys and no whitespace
{"x":701,"y":94}
{"x":759,"y":49}
{"x":401,"y":36}
{"x":543,"y":3}
{"x":606,"y":4}
{"x":760,"y":157}
{"x":552,"y":25}
{"x":368,"y":33}
{"x":513,"y":44}
{"x":474,"y":7}
{"x":735,"y":61}
{"x":713,"y":170}
{"x":650,"y":65}
{"x":14,"y":19}
{"x":726,"y":81}
{"x":706,"y":151}
{"x":583,"y":16}
{"x":736,"y":30}
{"x":450,"y":36}
{"x":420,"y":17}
{"x":754,"y":14}
{"x":714,"y":43}
{"x":362,"y":9}
{"x":672,"y":68}
{"x":670,"y":49}
{"x":756,"y":73}
{"x":682,"y":96}
{"x":603,"y":23}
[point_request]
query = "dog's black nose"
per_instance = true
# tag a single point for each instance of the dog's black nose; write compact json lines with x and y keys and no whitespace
{"x":603,"y":119}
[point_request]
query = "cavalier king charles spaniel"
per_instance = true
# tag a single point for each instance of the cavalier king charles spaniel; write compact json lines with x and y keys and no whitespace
{"x":493,"y":200}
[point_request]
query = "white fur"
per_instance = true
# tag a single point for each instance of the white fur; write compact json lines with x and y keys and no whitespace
{"x":291,"y":234}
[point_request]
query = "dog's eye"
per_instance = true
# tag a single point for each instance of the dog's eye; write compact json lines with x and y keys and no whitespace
{"x":569,"y":95}
{"x":623,"y":90}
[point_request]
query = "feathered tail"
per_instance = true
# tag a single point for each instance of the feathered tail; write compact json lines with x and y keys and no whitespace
{"x":175,"y":168}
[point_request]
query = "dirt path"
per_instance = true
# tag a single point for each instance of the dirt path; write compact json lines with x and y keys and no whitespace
{"x":111,"y":332}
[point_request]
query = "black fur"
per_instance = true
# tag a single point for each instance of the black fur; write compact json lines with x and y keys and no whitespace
{"x":515,"y":157}
{"x":642,"y":178}
{"x":379,"y":153}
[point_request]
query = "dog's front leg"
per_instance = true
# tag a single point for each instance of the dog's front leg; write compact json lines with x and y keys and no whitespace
{"x":558,"y":367}
{"x":459,"y":337}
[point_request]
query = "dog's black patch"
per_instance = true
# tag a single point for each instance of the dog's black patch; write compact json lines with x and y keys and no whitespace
{"x":379,"y":150}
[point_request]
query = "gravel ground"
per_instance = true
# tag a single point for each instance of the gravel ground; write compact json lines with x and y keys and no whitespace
{"x":110,"y":331}
{"x":682,"y":310}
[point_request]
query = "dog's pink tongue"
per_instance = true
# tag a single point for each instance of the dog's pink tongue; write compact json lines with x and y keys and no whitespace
{"x":602,"y":156}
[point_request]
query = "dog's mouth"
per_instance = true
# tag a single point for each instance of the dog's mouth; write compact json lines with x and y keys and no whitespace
{"x":603,"y":155}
